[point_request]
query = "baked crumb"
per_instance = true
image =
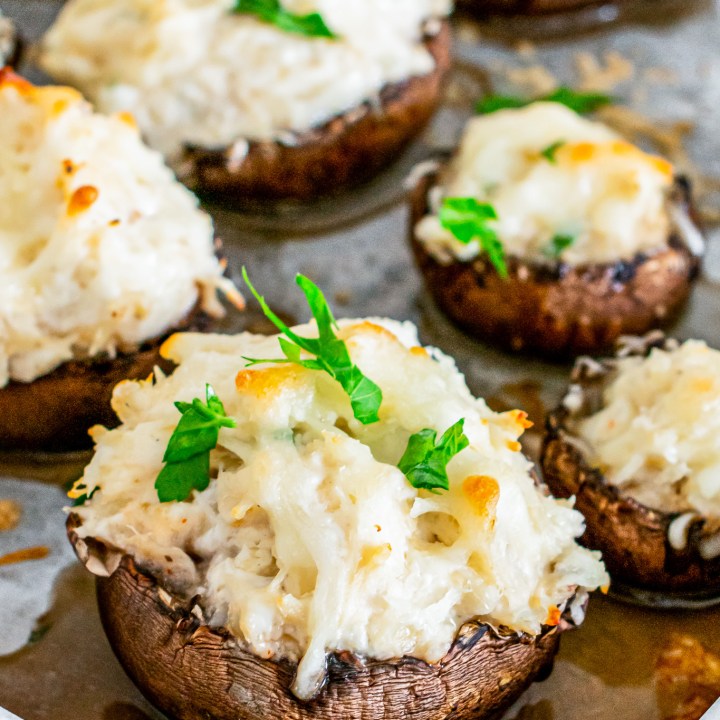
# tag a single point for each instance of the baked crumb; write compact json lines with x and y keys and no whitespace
{"x":603,"y":78}
{"x":535,"y":80}
{"x":525,"y":49}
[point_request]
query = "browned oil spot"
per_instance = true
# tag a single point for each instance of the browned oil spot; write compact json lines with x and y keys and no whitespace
{"x":10,"y":514}
{"x":33,"y":553}
{"x":537,"y":711}
{"x":123,"y":711}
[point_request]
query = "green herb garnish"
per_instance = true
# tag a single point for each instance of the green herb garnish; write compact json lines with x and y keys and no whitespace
{"x":467,"y":219}
{"x":271,"y":11}
{"x":580,"y":102}
{"x":493,"y":103}
{"x":331,"y":353}
{"x":558,"y":244}
{"x":424,"y":462}
{"x":187,"y":456}
{"x":549,"y":152}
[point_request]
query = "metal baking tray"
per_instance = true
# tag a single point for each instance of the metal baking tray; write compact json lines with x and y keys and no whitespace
{"x":354,"y":246}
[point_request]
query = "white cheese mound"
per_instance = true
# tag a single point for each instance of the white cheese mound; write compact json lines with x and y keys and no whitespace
{"x":101,"y":248}
{"x":193,"y":72}
{"x":656,"y":436}
{"x":312,"y":539}
{"x":605,"y":193}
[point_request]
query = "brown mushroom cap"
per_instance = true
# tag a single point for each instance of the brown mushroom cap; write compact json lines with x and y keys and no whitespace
{"x":55,"y":411}
{"x":190,"y":670}
{"x":343,"y":152}
{"x":558,"y":310}
{"x":632,"y":537}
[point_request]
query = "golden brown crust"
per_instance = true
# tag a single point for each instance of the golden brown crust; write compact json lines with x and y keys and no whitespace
{"x":55,"y":411}
{"x":343,"y":152}
{"x":632,"y":537}
{"x":190,"y":670}
{"x":557,"y":310}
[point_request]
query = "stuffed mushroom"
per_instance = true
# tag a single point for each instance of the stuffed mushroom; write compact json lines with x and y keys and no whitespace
{"x":103,"y":253}
{"x":635,"y":442}
{"x":548,"y":233}
{"x":360,"y":537}
{"x":9,"y":42}
{"x":258,"y":101}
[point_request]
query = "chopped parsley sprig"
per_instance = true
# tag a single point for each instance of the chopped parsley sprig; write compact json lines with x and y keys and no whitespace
{"x":425,"y":460}
{"x":331,"y":353}
{"x":467,"y":219}
{"x":187,"y":455}
{"x":549,"y":152}
{"x":581,"y":102}
{"x":271,"y":11}
{"x":557,"y":245}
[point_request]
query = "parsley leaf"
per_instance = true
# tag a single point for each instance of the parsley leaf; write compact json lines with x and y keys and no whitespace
{"x":271,"y":11}
{"x":549,"y":152}
{"x":424,"y":462}
{"x":493,"y":103}
{"x":187,"y":455}
{"x":467,"y":219}
{"x":331,"y":353}
{"x":580,"y":102}
{"x":557,"y":245}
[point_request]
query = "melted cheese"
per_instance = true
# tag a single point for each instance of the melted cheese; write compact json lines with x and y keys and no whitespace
{"x":100,"y":247}
{"x":314,"y":541}
{"x":608,"y":195}
{"x":193,"y":72}
{"x":656,"y":436}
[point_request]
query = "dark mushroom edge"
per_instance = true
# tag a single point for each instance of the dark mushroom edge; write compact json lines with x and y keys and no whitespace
{"x":54,"y":412}
{"x":530,"y":7}
{"x":345,"y":151}
{"x":10,"y":43}
{"x":190,"y":670}
{"x":555,"y":309}
{"x":653,"y":556}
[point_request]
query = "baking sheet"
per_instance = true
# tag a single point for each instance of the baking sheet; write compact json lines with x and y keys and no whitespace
{"x":355,"y":248}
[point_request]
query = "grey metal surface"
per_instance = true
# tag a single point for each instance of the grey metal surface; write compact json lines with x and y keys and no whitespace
{"x":355,"y":247}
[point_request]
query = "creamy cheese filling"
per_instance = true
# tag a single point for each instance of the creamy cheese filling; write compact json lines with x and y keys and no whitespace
{"x":310,"y":538}
{"x":550,"y":173}
{"x":101,"y":248}
{"x":193,"y":72}
{"x":656,"y":436}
